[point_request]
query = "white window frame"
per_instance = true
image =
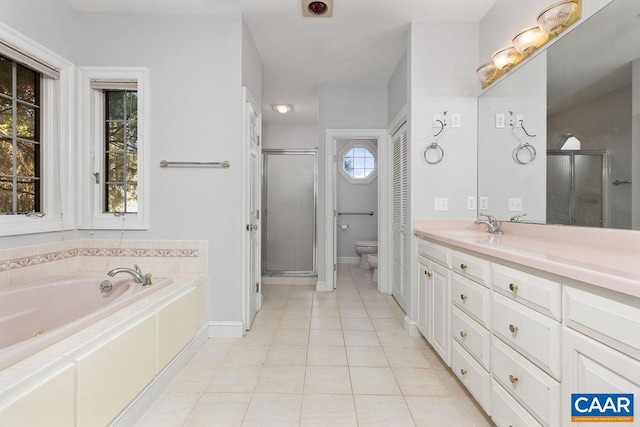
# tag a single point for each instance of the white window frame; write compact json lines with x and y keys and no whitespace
{"x":91,"y":149}
{"x":372,"y":149}
{"x":57,"y":136}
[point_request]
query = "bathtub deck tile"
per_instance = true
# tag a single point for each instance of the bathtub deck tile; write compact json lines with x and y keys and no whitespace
{"x":21,"y":371}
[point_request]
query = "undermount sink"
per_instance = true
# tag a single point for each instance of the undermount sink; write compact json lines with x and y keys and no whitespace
{"x":470,"y":233}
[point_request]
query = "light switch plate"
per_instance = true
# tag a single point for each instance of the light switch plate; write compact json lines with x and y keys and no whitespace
{"x":441,"y":204}
{"x":499,"y":120}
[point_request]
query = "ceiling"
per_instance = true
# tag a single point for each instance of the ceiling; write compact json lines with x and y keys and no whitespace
{"x":361,"y":43}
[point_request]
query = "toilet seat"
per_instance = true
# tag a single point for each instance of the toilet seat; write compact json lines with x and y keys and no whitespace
{"x":366,"y":243}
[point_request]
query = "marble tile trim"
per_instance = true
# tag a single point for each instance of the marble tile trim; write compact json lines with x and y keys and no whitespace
{"x":39,"y":259}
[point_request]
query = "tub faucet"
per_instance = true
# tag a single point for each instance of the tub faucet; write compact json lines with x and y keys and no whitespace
{"x":135,"y":272}
{"x":491,"y":222}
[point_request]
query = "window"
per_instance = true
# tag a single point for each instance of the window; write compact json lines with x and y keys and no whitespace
{"x":19,"y":138}
{"x":114,"y":152}
{"x":121,"y":151}
{"x":358,"y":162}
{"x":36,"y":137}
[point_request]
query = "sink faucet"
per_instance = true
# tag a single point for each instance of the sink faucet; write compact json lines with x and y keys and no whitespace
{"x":491,"y":222}
{"x":516,"y":218}
{"x":135,"y":272}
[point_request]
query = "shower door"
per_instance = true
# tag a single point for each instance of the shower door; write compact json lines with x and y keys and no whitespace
{"x":289,"y":223}
{"x":576,"y":188}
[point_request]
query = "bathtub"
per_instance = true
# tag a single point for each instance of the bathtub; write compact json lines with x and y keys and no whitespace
{"x":35,"y":316}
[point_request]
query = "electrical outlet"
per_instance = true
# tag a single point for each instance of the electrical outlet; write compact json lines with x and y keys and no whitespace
{"x":471,"y":203}
{"x":484,"y":203}
{"x":455,"y":120}
{"x":519,"y":120}
{"x":440,"y":204}
{"x":515,"y":205}
{"x":436,"y":118}
{"x":500,"y":120}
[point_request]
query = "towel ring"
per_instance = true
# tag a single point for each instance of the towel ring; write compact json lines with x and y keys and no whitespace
{"x":439,"y":153}
{"x":518,"y":151}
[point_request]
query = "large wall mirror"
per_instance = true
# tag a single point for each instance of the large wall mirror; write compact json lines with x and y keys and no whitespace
{"x":559,"y":137}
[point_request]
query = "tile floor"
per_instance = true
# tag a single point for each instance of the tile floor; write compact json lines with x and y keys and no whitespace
{"x":318,"y":359}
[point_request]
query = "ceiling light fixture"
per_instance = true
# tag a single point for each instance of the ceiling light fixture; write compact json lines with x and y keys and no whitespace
{"x":282,"y":108}
{"x":317,"y":8}
{"x":551,"y":22}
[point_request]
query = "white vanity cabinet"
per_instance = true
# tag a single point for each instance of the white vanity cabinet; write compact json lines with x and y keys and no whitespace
{"x":434,"y":285}
{"x":523,"y":340}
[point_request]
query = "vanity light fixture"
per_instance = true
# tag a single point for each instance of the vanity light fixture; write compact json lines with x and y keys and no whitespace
{"x":487,"y":73}
{"x":506,"y":58}
{"x":559,"y":16}
{"x":527,"y":41}
{"x":551,"y":22}
{"x":282,"y":108}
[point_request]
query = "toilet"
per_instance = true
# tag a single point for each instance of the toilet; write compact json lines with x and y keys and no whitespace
{"x":364,"y":248}
{"x":373,"y":262}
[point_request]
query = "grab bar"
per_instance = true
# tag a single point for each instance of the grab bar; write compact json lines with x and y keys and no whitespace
{"x":618,"y":182}
{"x":356,"y":213}
{"x":225,"y":164}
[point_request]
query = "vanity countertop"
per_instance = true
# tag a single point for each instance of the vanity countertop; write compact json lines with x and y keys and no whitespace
{"x":606,"y":258}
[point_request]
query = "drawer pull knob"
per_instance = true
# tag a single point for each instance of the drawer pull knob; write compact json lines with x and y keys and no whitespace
{"x":463,"y":297}
{"x":513,"y":379}
{"x":513,"y":287}
{"x":463,"y":266}
{"x":463,"y":334}
{"x":463,"y":372}
{"x":513,"y":329}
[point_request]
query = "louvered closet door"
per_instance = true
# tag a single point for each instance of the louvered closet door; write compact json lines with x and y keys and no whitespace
{"x":400,"y":226}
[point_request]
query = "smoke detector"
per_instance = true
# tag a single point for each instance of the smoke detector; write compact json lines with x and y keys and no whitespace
{"x":317,"y":8}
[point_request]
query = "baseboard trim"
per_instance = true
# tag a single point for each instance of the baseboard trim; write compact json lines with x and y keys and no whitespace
{"x":284,"y":280}
{"x":219,"y":329}
{"x":410,"y":327}
{"x":321,"y":286}
{"x":351,"y":260}
{"x":136,"y":409}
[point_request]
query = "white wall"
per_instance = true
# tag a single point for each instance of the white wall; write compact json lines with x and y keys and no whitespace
{"x":442,"y":78}
{"x":251,"y":65}
{"x":508,"y":17}
{"x":52,"y":23}
{"x":281,"y":136}
{"x":195,"y":64}
{"x":355,"y":198}
{"x":344,"y":106}
{"x":398,"y":88}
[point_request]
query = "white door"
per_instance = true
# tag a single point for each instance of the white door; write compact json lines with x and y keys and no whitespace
{"x":334,"y":172}
{"x":254,"y":177}
{"x":401,"y":236}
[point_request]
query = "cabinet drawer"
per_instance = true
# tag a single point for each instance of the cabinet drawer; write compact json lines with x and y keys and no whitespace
{"x":607,"y":320}
{"x":435,"y":252}
{"x":472,"y":267}
{"x":527,"y":383}
{"x":506,"y":411}
{"x":472,"y":298}
{"x":529,"y":331}
{"x":472,"y":336}
{"x":540,"y":294}
{"x":472,"y":375}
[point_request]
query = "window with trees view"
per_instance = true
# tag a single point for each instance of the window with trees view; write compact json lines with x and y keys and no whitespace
{"x":20,"y":178}
{"x":121,"y":151}
{"x":358,"y":162}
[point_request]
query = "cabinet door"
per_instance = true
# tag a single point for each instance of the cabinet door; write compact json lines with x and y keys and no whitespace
{"x":423,"y":285}
{"x":591,"y":367}
{"x":440,"y":308}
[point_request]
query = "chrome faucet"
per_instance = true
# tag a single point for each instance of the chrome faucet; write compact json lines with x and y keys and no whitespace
{"x":135,"y":272}
{"x":491,"y":222}
{"x":516,"y":218}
